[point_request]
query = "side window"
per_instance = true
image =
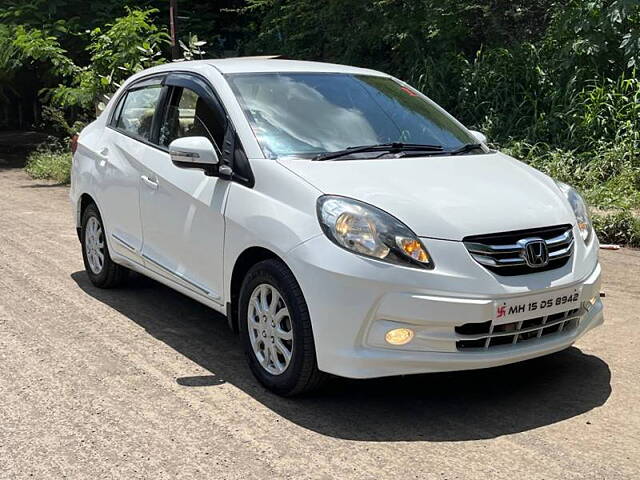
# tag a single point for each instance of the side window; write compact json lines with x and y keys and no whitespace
{"x":189,"y":115}
{"x":137,"y":111}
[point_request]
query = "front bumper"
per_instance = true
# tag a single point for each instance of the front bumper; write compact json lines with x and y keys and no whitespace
{"x":354,"y":301}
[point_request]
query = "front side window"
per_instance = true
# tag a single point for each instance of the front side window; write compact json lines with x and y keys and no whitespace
{"x":306,"y":114}
{"x":136,"y":115}
{"x":189,"y":115}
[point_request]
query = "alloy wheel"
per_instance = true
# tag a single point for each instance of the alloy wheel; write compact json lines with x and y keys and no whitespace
{"x":270,"y":329}
{"x":94,"y":245}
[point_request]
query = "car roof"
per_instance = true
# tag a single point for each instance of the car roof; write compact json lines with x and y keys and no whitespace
{"x":267,"y":64}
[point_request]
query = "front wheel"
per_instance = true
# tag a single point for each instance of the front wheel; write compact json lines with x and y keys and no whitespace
{"x":276,"y":330}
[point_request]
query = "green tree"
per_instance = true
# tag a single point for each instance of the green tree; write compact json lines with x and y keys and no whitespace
{"x":117,"y":51}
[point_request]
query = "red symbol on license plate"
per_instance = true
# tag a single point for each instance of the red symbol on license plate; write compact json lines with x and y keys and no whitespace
{"x":502,"y":311}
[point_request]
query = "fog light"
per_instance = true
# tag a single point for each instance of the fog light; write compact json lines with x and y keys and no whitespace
{"x":399,"y":336}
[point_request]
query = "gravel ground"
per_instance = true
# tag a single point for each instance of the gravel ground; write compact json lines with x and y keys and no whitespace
{"x":143,"y":382}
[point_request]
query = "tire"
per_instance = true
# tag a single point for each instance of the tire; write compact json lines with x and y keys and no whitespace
{"x":103,"y":273}
{"x":301,"y":374}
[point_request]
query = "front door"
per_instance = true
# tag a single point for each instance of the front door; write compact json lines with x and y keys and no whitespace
{"x":182,"y":210}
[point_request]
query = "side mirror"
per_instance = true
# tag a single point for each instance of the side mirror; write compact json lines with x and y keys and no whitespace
{"x":194,"y":152}
{"x":481,"y":137}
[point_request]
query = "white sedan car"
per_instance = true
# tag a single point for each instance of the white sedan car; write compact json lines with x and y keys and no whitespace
{"x":342,"y":221}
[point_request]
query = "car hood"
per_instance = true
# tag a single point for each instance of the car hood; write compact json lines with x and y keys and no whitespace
{"x":445,"y":197}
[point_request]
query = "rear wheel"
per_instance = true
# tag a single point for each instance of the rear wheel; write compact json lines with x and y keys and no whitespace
{"x":102,"y":271}
{"x":276,"y":330}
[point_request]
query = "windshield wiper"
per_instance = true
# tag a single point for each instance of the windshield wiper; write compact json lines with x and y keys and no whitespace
{"x":381,"y":147}
{"x":465,"y":148}
{"x":458,"y":151}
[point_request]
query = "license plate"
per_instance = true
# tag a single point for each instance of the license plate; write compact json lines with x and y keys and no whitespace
{"x":539,"y":305}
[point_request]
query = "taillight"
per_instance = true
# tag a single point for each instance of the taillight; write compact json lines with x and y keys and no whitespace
{"x":73,"y":143}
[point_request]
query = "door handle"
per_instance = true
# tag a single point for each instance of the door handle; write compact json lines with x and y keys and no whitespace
{"x":104,"y":152}
{"x":149,"y":183}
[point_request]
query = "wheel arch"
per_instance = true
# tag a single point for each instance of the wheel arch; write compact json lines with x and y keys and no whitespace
{"x":247,"y":259}
{"x":83,"y":202}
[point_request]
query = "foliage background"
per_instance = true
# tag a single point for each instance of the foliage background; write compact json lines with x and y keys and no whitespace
{"x":554,"y":83}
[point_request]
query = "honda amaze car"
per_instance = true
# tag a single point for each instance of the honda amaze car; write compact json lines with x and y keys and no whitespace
{"x":342,"y":221}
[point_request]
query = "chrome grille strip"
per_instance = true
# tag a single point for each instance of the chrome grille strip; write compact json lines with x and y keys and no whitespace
{"x":514,"y":261}
{"x":566,"y":237}
{"x":490,"y":255}
{"x":502,"y":262}
{"x":482,"y":249}
{"x":565,"y":252}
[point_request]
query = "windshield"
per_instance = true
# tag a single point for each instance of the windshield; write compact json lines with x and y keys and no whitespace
{"x":306,"y":114}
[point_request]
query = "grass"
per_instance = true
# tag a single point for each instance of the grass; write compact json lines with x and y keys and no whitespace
{"x":51,"y":163}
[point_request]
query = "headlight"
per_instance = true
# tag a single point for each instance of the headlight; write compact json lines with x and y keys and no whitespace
{"x":369,"y":231}
{"x":579,"y":209}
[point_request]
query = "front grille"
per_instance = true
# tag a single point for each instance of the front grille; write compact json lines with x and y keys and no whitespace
{"x":503,"y":253}
{"x":485,"y":335}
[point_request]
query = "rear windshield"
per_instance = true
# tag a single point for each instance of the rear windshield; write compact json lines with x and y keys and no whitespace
{"x":305,"y":114}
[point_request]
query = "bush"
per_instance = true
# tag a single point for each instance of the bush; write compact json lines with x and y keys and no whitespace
{"x":50,"y":161}
{"x":619,"y":228}
{"x":608,"y":177}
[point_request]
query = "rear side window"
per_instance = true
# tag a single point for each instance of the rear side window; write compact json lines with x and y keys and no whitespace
{"x":189,"y":115}
{"x":136,"y":114}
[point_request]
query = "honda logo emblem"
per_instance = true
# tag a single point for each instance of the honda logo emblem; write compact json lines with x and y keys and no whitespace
{"x":535,"y":252}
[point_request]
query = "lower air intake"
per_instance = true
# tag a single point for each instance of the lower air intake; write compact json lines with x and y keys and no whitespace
{"x":486,"y":335}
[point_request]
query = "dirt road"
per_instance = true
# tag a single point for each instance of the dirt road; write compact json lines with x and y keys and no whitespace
{"x":145,"y":383}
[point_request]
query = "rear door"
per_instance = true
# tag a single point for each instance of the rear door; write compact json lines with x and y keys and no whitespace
{"x":182,"y":209}
{"x":125,"y":145}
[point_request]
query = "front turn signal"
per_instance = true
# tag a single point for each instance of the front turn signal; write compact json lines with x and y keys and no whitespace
{"x":412,"y":248}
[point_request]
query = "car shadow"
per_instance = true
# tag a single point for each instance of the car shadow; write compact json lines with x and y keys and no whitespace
{"x":457,"y":406}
